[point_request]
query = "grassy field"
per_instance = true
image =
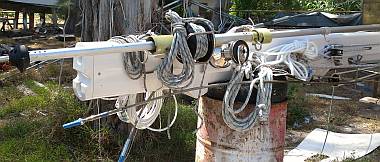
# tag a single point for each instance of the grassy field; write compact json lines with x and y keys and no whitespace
{"x":31,"y":126}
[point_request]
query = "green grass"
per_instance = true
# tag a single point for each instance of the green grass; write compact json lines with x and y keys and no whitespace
{"x":297,"y":106}
{"x":21,"y":141}
{"x":157,"y":146}
{"x":27,"y":135}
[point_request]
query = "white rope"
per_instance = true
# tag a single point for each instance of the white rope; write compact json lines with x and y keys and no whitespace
{"x":287,"y":54}
{"x":150,"y":112}
{"x":267,"y":60}
{"x":173,"y":120}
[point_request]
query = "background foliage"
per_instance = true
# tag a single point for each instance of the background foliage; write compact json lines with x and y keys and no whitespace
{"x":290,"y":5}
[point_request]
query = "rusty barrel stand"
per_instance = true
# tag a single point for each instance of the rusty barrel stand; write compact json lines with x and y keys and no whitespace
{"x":263,"y":143}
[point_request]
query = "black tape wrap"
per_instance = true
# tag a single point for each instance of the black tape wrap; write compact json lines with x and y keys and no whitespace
{"x":210,"y":44}
{"x":192,"y":41}
{"x":19,"y":57}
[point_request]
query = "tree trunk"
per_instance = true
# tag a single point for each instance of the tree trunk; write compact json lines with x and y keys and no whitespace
{"x":224,"y":4}
{"x":103,"y":19}
{"x":73,"y":17}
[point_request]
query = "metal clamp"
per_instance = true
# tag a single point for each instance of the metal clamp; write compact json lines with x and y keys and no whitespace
{"x":262,"y":35}
{"x":162,"y":43}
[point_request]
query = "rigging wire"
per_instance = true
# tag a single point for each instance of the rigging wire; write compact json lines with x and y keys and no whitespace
{"x":328,"y":118}
{"x":267,"y":60}
{"x":179,"y":48}
{"x":115,"y":111}
{"x":64,"y":43}
{"x":220,"y":16}
{"x":134,"y":62}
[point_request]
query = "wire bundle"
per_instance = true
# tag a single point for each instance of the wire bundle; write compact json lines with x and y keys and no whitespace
{"x":267,"y":61}
{"x":134,"y":62}
{"x":179,"y":48}
{"x":144,"y":119}
{"x":229,"y":113}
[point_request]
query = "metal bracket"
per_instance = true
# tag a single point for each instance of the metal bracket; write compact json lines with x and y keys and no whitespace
{"x":262,"y":35}
{"x":162,"y":43}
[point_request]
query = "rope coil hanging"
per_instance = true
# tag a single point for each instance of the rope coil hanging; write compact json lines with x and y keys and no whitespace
{"x":134,"y":62}
{"x":181,"y":49}
{"x":267,"y":63}
{"x":150,"y":111}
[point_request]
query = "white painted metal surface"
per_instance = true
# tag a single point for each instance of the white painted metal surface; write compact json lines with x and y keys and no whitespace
{"x":103,"y":75}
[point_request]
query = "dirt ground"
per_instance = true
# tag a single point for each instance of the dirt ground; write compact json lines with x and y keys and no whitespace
{"x":347,"y":116}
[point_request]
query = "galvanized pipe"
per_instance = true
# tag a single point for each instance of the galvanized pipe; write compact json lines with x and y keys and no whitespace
{"x":40,"y":55}
{"x":325,"y":30}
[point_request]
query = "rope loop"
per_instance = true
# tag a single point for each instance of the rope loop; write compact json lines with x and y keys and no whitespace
{"x":181,"y":50}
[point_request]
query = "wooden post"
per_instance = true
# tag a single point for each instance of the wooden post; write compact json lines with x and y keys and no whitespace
{"x":42,"y":19}
{"x":24,"y":20}
{"x":31,"y":20}
{"x":100,"y":21}
{"x":375,"y":87}
{"x":54,"y":18}
{"x":15,"y":21}
{"x":371,"y":12}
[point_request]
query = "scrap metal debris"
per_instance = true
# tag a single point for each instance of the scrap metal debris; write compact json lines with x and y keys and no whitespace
{"x":370,"y":100}
{"x":327,"y":96}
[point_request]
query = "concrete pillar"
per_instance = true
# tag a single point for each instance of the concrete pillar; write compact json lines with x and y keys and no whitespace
{"x":371,"y":11}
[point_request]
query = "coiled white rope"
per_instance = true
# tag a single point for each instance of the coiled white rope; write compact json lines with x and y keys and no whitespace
{"x":150,"y":112}
{"x":134,"y":62}
{"x":147,"y":117}
{"x":287,"y":54}
{"x":180,"y":48}
{"x":229,"y":113}
{"x":268,"y":60}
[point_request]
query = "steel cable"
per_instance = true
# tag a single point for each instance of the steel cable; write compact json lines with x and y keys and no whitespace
{"x":134,"y":62}
{"x":267,"y":60}
{"x":179,"y":48}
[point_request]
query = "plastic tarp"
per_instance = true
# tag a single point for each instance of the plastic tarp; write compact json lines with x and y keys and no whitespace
{"x":315,"y":19}
{"x":339,"y":146}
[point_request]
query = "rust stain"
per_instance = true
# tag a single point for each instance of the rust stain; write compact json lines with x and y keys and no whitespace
{"x":217,"y":142}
